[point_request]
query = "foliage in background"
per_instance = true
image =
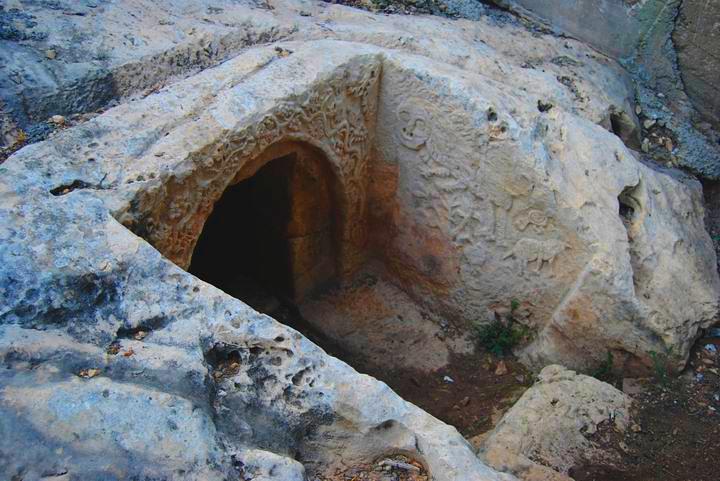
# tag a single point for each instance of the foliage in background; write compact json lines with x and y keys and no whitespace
{"x":606,"y":372}
{"x":662,"y":366}
{"x":502,"y":335}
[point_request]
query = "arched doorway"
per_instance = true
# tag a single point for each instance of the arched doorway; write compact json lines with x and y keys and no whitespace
{"x":274,"y":230}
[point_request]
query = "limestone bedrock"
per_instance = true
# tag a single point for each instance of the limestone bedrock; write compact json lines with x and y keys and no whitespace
{"x":446,"y":168}
{"x":544,"y":434}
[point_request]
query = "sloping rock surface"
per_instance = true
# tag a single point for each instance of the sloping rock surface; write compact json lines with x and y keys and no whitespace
{"x":697,"y":39}
{"x":481,"y":158}
{"x":121,"y":365}
{"x":66,"y":57}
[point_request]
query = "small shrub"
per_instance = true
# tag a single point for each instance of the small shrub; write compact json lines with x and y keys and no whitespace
{"x":501,"y":335}
{"x":604,"y":371}
{"x":661,"y":366}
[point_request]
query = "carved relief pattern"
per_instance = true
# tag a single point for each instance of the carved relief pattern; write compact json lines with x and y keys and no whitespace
{"x":533,"y":217}
{"x":453,"y":187}
{"x":529,"y":250}
{"x":487,"y":207}
{"x":335,"y":114}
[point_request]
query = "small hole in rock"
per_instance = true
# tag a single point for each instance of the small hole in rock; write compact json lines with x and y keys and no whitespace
{"x":626,"y":211}
{"x":67,"y":188}
{"x":624,"y":127}
{"x":544,"y":106}
{"x":628,"y":204}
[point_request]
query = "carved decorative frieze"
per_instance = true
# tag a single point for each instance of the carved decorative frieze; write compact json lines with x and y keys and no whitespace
{"x":334,"y":115}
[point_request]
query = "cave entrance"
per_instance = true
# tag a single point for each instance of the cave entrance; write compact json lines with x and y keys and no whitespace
{"x":278,"y":240}
{"x":272,"y":236}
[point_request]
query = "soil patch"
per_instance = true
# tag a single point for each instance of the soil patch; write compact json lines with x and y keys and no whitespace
{"x":676,"y":435}
{"x":475,"y":399}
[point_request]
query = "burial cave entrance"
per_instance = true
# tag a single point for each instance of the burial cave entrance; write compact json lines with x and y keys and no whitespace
{"x":273,"y":234}
{"x":275,"y":241}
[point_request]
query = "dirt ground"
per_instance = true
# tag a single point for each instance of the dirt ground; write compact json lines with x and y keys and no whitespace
{"x":676,"y":430}
{"x":397,"y":467}
{"x":473,"y":402}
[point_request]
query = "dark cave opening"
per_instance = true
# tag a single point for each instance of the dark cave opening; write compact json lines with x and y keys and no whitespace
{"x":626,"y":211}
{"x":236,"y":246}
{"x":273,"y":240}
{"x":628,"y":204}
{"x":272,"y":234}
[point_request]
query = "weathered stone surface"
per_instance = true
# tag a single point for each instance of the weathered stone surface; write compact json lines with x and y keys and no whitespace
{"x":223,"y":380}
{"x":543,"y":434}
{"x":155,"y":405}
{"x":668,"y":46}
{"x":697,"y":40}
{"x":530,"y":200}
{"x":485,"y":195}
{"x":105,"y":51}
{"x":610,"y":26}
{"x":497,"y":200}
{"x":111,"y":51}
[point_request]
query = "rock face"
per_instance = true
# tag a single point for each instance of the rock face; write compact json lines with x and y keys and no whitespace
{"x":611,"y":26}
{"x":108,"y":51}
{"x":118,"y":365}
{"x":697,"y":39}
{"x":86,"y":54}
{"x":478,"y":170}
{"x":669,"y":48}
{"x":543,"y":434}
{"x":530,"y":201}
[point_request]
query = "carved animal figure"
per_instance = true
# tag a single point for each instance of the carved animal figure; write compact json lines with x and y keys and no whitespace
{"x":531,"y":250}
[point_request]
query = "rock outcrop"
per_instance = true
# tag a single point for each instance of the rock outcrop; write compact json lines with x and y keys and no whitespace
{"x":478,"y":170}
{"x":697,"y":39}
{"x":544,"y":434}
{"x":668,"y":47}
{"x":611,"y":26}
{"x":87,"y":57}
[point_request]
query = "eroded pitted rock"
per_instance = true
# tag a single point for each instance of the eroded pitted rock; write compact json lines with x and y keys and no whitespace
{"x":474,"y":192}
{"x":104,"y":394}
{"x":123,"y":322}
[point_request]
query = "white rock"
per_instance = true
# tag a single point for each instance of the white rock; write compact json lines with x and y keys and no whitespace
{"x":491,"y":200}
{"x":543,"y":435}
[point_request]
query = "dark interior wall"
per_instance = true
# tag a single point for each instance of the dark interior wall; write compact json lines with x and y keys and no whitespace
{"x":276,"y":228}
{"x":243,"y":237}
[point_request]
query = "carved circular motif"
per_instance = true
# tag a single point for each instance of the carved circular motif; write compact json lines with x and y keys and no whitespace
{"x":534,"y":217}
{"x":414,"y":125}
{"x":537,"y":217}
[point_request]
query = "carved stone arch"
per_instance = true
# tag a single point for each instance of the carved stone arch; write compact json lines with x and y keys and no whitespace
{"x":347,"y":192}
{"x":335,"y":116}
